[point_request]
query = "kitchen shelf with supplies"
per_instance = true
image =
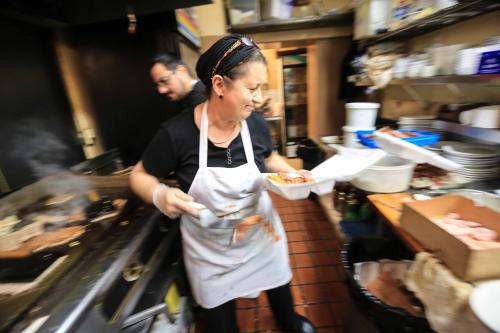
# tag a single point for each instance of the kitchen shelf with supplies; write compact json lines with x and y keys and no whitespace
{"x":489,"y":80}
{"x":460,"y":12}
{"x":308,"y":22}
{"x":447,"y":89}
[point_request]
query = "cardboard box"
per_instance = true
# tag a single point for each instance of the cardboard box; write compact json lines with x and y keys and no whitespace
{"x":466,"y":263}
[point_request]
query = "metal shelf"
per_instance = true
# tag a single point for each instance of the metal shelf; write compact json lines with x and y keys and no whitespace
{"x":484,"y":134}
{"x":463,"y":11}
{"x":450,"y":89}
{"x":451,"y":79}
{"x":332,"y":20}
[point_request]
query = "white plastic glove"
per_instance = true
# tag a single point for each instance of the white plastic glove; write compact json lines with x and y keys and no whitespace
{"x":172,"y":201}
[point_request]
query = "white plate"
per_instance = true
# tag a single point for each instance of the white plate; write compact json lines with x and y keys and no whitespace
{"x":411,"y":118}
{"x":330,"y":139}
{"x":485,"y":302}
{"x":471,"y":150}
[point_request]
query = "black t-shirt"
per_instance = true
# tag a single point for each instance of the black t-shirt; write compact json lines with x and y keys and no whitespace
{"x":193,"y":98}
{"x":175,"y":148}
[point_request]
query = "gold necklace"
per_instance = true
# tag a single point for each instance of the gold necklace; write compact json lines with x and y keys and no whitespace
{"x":229,"y":138}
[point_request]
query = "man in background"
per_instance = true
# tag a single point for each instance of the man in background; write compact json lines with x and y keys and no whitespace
{"x":173,"y":79}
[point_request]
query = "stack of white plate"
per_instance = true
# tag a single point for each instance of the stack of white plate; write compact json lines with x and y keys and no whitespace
{"x":331,"y":139}
{"x":480,"y":162}
{"x":420,"y":123}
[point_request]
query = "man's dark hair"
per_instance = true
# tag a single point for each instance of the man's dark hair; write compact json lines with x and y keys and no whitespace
{"x":169,"y":61}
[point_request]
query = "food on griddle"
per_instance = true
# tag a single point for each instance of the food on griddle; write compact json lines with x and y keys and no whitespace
{"x":7,"y":224}
{"x":119,"y":203}
{"x":289,"y":178}
{"x":59,"y":199}
{"x":471,"y":232}
{"x":44,"y":241}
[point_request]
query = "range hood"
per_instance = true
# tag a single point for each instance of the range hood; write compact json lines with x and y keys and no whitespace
{"x":74,"y":12}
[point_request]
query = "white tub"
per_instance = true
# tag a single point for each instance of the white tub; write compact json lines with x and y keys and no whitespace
{"x":351,"y":138}
{"x":389,"y":175}
{"x":362,"y":115}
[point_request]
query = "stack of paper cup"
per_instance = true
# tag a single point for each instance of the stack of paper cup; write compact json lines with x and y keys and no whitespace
{"x":360,"y":117}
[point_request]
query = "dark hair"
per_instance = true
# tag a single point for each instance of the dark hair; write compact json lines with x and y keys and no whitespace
{"x":169,"y":61}
{"x":241,"y":69}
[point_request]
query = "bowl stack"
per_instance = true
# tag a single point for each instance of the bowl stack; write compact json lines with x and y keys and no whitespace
{"x":421,"y":123}
{"x":479,"y":162}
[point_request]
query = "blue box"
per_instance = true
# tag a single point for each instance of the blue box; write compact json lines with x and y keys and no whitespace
{"x":490,"y":63}
{"x":423,"y":138}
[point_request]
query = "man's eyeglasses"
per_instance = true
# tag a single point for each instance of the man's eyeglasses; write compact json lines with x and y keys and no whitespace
{"x":243,"y":40}
{"x":165,"y":80}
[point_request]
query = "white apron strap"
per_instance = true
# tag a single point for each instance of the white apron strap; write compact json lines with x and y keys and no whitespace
{"x":202,"y":156}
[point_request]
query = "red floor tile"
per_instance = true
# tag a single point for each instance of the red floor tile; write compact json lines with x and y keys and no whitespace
{"x":301,"y":309}
{"x":323,"y":245}
{"x":336,"y":291}
{"x":245,"y":303}
{"x":327,"y":274}
{"x":296,"y":236}
{"x":298,"y":247}
{"x":246,"y":320}
{"x":297,"y":295}
{"x":262,"y":300}
{"x":293,"y":226}
{"x":325,"y":258}
{"x":338,"y":310}
{"x":306,"y":275}
{"x":320,"y":315}
{"x":316,"y":293}
{"x":303,"y":260}
{"x":266,"y":320}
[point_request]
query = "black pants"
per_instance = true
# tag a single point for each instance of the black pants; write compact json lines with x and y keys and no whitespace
{"x":222,"y":319}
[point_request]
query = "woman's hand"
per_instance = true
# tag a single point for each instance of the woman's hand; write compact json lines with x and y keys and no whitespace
{"x":305,"y":173}
{"x":172,"y":201}
{"x":276,"y":163}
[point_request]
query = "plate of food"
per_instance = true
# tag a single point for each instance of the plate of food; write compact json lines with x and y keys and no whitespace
{"x":429,"y":176}
{"x":295,"y":186}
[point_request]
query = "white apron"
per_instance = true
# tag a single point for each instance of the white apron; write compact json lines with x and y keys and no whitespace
{"x":225,"y":261}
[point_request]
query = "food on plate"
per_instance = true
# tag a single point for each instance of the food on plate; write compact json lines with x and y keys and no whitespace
{"x":429,"y":176}
{"x":394,"y":133}
{"x":289,"y":178}
{"x":428,"y":171}
{"x":472,"y":233}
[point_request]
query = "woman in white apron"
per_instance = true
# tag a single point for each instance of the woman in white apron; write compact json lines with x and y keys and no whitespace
{"x":242,"y":250}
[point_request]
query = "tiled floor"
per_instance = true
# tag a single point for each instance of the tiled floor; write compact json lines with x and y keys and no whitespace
{"x":317,"y":286}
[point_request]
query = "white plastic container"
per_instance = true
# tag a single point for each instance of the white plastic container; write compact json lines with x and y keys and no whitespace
{"x":351,"y":138}
{"x":370,"y":16}
{"x":361,"y":115}
{"x":300,"y":191}
{"x":484,"y":117}
{"x":389,"y":175}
